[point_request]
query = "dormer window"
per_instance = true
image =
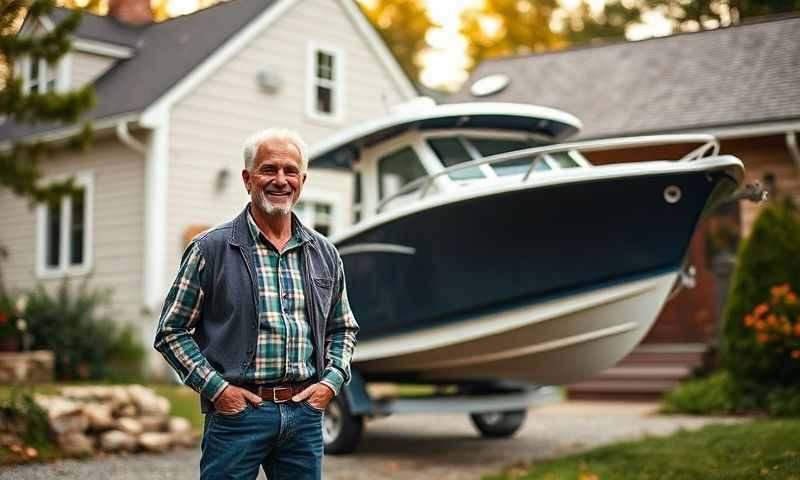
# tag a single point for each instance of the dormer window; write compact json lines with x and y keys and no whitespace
{"x":38,"y":76}
{"x":324,"y":92}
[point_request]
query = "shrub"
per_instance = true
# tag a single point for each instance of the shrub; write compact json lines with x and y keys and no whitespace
{"x":21,"y":416}
{"x":770,"y":257}
{"x":722,"y":394}
{"x":86,"y":344}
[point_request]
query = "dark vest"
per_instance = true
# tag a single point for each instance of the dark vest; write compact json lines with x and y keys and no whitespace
{"x":227,"y":330}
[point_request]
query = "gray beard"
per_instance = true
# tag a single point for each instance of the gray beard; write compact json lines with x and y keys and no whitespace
{"x":268,"y":208}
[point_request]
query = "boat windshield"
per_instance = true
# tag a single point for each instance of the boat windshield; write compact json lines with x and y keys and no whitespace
{"x":455,"y":150}
{"x":494,"y":146}
{"x":398,"y":169}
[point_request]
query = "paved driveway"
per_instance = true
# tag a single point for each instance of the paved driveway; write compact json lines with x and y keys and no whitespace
{"x":439,"y":447}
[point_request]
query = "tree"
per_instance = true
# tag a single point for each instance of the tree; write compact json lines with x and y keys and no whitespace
{"x":402,"y":24}
{"x":18,"y":161}
{"x":684,"y":15}
{"x":508,"y":27}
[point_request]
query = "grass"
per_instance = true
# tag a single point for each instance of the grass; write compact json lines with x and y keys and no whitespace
{"x":761,"y":449}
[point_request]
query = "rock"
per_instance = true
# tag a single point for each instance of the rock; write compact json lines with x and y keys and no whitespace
{"x":115,"y":441}
{"x":147,"y":402}
{"x":129,"y":425}
{"x":75,"y":444}
{"x":152,"y":423}
{"x":99,"y":415}
{"x":126,"y":410}
{"x":155,"y":441}
{"x":179,"y":425}
{"x":74,"y":422}
{"x":184,"y":439}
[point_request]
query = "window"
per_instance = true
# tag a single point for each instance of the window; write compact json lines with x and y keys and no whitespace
{"x":39,"y":77}
{"x":495,"y":146}
{"x":324,"y":90}
{"x":398,"y":169}
{"x":316,"y":215}
{"x":64,"y":231}
{"x":357,"y":207}
{"x":451,"y":151}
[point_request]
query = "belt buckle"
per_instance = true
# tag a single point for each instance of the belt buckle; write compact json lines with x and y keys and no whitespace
{"x":275,"y":390}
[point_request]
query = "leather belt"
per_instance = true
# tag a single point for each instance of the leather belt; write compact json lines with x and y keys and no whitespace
{"x":277,"y":393}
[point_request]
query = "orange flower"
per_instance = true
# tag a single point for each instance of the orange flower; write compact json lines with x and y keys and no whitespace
{"x":780,"y":290}
{"x":749,"y":320}
{"x":787,"y":328}
{"x":761,"y":309}
{"x":762,"y":338}
{"x":795,"y":354}
{"x":772,"y":320}
{"x":760,"y":325}
{"x":791,"y":298}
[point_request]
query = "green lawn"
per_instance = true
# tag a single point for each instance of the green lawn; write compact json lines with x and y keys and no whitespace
{"x":761,"y":449}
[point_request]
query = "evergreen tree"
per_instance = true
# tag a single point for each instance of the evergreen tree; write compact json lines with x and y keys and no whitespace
{"x":19,"y":159}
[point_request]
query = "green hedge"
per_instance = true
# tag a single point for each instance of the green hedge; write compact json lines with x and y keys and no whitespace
{"x":768,"y":268}
{"x":721,"y":394}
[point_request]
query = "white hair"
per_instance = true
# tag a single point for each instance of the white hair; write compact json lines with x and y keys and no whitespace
{"x":255,"y":140}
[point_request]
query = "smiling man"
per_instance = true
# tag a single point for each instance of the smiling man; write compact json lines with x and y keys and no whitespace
{"x":273,"y":333}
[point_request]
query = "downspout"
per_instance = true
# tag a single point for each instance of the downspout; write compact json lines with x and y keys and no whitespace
{"x":791,"y":146}
{"x":156,"y":153}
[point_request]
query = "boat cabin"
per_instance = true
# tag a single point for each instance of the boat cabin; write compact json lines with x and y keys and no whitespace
{"x":419,"y":152}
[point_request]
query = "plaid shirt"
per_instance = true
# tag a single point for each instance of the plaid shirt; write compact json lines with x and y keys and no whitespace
{"x":284,"y":349}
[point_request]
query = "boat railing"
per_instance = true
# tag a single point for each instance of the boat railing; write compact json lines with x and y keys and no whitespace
{"x":709,"y":146}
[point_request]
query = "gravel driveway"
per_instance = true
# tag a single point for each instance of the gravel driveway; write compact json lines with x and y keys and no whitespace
{"x":440,"y":447}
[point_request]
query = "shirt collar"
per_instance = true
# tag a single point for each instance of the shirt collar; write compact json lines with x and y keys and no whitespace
{"x":298,"y":238}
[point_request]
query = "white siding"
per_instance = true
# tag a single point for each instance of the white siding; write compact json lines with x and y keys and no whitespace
{"x":86,"y":67}
{"x":118,"y":235}
{"x":209,"y":125}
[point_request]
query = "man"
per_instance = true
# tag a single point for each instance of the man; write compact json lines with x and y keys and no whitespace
{"x":273,"y":332}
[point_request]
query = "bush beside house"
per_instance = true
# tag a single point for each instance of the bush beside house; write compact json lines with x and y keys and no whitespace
{"x":87,"y":344}
{"x":761,"y":331}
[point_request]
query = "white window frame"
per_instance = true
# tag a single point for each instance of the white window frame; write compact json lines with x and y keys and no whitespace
{"x":336,"y":86}
{"x":308,"y":214}
{"x":83,"y":179}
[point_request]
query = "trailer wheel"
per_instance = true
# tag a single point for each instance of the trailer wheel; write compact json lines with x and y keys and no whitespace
{"x":498,"y":424}
{"x":341,"y":431}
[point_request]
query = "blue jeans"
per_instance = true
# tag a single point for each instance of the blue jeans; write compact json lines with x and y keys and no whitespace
{"x":285,"y":439}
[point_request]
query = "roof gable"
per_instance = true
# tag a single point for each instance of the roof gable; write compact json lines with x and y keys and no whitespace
{"x":730,"y":76}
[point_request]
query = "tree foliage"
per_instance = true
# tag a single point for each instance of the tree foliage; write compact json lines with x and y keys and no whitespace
{"x":18,"y":161}
{"x":402,"y":24}
{"x":685,"y":15}
{"x":506,"y":27}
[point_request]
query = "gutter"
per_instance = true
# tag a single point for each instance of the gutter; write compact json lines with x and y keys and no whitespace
{"x":126,"y":138}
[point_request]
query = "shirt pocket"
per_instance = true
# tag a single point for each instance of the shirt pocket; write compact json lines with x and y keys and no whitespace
{"x":323,"y":290}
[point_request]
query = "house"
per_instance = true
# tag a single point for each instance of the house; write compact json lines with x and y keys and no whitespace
{"x":175,"y":102}
{"x":739,"y":83}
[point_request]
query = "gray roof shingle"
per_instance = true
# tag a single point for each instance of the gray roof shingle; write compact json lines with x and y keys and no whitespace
{"x":738,"y":75}
{"x":165,"y":53}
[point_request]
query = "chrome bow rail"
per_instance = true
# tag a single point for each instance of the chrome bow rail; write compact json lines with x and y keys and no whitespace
{"x":709,"y":145}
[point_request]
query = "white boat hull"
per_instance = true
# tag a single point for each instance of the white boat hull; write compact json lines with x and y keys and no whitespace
{"x":553,"y":342}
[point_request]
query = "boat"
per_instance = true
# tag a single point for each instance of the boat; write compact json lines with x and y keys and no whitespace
{"x":488,"y":248}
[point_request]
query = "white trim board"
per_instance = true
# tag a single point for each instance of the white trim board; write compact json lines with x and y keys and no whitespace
{"x":101,"y":48}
